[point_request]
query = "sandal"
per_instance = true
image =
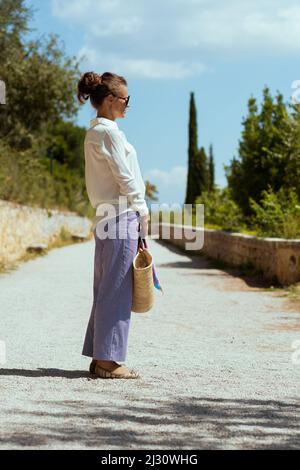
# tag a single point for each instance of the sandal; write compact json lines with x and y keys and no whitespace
{"x":107,"y":374}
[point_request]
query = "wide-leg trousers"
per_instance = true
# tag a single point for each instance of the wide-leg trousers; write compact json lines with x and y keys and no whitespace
{"x":107,"y":331}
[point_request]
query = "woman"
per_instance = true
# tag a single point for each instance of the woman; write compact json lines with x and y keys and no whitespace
{"x":115,"y":187}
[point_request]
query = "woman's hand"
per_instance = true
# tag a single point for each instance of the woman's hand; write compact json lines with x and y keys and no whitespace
{"x":144,"y":226}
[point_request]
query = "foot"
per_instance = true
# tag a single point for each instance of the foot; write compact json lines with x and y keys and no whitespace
{"x":113,"y":370}
{"x":110,"y":366}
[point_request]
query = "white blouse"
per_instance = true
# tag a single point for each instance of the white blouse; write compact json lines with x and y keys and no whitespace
{"x":112,"y":171}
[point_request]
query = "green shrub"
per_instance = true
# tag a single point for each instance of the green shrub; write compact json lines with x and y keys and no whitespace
{"x":26,"y":179}
{"x":277,"y":214}
{"x":221,"y":210}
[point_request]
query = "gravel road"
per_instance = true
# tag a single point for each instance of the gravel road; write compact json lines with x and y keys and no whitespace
{"x":215,"y":354}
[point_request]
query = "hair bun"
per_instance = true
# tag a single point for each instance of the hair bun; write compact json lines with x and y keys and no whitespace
{"x":89,"y":82}
{"x":96,"y":87}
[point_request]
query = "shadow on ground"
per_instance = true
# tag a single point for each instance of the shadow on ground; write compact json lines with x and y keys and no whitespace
{"x":41,"y":372}
{"x":200,"y":261}
{"x":141,"y":422}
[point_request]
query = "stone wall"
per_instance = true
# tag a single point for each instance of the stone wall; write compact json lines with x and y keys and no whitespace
{"x":25,"y":227}
{"x":278,"y":259}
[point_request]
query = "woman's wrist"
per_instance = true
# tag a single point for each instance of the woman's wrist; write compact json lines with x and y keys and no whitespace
{"x":143,"y":226}
{"x":144,"y":218}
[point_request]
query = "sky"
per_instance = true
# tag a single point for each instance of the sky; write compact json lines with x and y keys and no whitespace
{"x":225,"y":51}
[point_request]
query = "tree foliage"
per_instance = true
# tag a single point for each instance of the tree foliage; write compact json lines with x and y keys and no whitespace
{"x":40,"y":79}
{"x":268,"y":152}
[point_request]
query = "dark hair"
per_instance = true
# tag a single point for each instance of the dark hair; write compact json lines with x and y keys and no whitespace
{"x":97,"y":87}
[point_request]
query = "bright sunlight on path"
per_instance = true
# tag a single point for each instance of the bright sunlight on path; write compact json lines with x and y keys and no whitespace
{"x":215,"y":357}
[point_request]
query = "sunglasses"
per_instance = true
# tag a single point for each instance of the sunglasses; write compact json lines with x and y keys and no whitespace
{"x":126,"y":99}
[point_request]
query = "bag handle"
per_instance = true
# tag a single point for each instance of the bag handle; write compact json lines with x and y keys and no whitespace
{"x":141,"y":243}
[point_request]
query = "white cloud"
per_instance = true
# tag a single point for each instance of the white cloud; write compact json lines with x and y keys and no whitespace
{"x":176,"y":176}
{"x":173,"y":38}
{"x":78,"y":10}
{"x":101,"y":18}
{"x":143,"y":68}
{"x":116,"y":27}
{"x":234,"y":26}
{"x":186,"y":25}
{"x":171,"y":184}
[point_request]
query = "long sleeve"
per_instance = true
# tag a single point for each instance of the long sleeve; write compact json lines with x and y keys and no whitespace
{"x":116,"y":159}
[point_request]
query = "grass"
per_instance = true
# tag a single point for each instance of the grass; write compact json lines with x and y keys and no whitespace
{"x":290,"y":293}
{"x":242,"y":231}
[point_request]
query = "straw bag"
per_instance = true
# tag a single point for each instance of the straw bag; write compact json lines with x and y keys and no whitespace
{"x":143,"y":288}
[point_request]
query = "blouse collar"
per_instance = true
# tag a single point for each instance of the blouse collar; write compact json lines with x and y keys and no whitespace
{"x":102,"y":120}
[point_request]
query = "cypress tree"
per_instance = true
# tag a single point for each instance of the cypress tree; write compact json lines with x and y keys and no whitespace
{"x":192,"y":152}
{"x":211,"y":169}
{"x":201,"y":175}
